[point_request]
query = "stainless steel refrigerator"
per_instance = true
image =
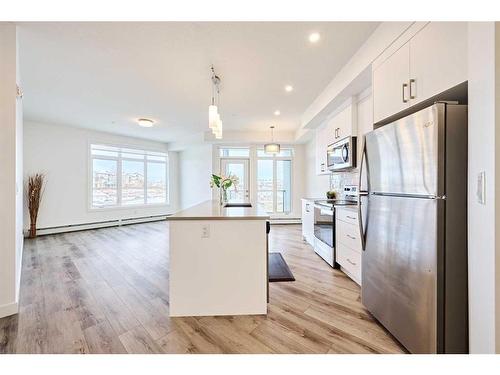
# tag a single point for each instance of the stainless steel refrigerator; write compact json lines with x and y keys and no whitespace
{"x":413,"y":218}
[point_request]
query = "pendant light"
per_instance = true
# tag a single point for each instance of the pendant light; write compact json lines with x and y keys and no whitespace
{"x":272,"y":148}
{"x":214,"y":121}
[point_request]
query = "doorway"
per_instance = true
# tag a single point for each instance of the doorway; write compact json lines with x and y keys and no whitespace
{"x":241,"y":169}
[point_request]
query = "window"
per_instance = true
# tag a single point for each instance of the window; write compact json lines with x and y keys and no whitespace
{"x":234,"y":152}
{"x":123,"y":177}
{"x":274,"y":181}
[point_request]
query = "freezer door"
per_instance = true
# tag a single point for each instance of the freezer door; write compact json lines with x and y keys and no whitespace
{"x":404,"y":157}
{"x":399,"y":268}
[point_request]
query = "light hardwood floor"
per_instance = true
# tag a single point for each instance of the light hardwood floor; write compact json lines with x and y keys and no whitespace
{"x":106,"y":291}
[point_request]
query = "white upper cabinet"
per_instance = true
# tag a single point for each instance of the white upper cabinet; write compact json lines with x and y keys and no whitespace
{"x":390,"y":84}
{"x":344,"y":123}
{"x":438,"y":59}
{"x":341,"y":125}
{"x":432,"y":61}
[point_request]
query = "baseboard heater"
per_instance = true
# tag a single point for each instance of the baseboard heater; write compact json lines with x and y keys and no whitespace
{"x":286,"y":220}
{"x":96,"y":225}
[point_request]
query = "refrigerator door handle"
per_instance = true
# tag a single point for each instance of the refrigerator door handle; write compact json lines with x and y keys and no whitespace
{"x":362,"y":231}
{"x":362,"y":193}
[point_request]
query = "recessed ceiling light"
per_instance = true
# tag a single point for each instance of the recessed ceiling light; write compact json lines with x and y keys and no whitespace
{"x":288,"y":88}
{"x":277,"y":112}
{"x":314,"y":37}
{"x":145,"y":122}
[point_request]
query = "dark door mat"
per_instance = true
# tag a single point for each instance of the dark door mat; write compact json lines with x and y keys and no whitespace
{"x":278,"y":269}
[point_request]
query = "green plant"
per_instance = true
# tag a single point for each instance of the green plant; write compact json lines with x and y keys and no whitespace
{"x":223,"y":182}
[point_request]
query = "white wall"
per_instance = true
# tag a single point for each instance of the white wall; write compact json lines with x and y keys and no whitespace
{"x":11,"y":198}
{"x":62,"y":153}
{"x":195,"y":170}
{"x":316,"y":185}
{"x":298,"y":177}
{"x":483,"y":248}
{"x":19,"y":179}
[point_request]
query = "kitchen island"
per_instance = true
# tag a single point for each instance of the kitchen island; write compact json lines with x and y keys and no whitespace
{"x":218,"y":260}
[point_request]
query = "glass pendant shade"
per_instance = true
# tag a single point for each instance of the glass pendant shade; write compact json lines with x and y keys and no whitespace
{"x":212,"y":116}
{"x":214,"y":121}
{"x":272,"y":148}
{"x":218,"y":129}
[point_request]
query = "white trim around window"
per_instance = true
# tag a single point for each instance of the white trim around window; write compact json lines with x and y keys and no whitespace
{"x":106,"y":186}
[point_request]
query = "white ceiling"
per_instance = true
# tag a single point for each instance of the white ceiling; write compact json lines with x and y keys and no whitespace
{"x":105,"y":75}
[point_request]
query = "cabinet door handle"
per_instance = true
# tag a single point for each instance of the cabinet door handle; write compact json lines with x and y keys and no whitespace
{"x":412,"y":83}
{"x":405,"y":85}
{"x":350,"y":261}
{"x":351,"y":217}
{"x":351,"y":237}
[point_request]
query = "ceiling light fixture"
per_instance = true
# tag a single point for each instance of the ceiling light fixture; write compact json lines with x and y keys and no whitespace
{"x":277,"y":112}
{"x":145,"y":122}
{"x":314,"y":37}
{"x":272,"y":148}
{"x":288,"y":88}
{"x":214,"y":121}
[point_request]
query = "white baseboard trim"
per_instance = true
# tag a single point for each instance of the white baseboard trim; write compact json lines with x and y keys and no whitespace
{"x":96,"y":225}
{"x":18,"y":280}
{"x":9,"y":309}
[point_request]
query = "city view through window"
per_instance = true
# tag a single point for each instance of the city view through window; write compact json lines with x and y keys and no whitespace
{"x":143,"y":178}
{"x":275,"y":196}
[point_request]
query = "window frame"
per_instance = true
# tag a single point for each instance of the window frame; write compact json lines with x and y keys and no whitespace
{"x":119,"y":187}
{"x":275,"y":187}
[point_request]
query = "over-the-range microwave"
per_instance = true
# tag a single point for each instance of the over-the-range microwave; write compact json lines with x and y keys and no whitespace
{"x":341,"y":155}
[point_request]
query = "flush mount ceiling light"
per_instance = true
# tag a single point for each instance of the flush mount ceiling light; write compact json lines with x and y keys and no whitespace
{"x":314,"y":37}
{"x":277,"y":112}
{"x":145,"y":122}
{"x":288,"y":88}
{"x":214,"y":121}
{"x":272,"y":148}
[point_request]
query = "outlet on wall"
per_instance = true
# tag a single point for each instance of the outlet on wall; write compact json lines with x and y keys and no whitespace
{"x":205,"y":231}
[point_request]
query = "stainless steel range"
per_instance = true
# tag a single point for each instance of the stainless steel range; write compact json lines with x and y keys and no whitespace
{"x":324,"y":223}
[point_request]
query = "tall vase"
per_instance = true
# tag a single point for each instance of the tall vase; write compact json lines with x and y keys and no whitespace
{"x":222,"y":196}
{"x":32,"y":232}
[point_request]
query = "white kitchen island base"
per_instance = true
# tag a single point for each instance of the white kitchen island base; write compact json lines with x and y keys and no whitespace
{"x":218,"y":263}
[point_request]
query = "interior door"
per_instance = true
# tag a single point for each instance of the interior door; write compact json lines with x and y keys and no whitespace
{"x":390,"y":85}
{"x":239,"y":168}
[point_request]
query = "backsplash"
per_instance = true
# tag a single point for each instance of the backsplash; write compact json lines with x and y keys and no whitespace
{"x":339,"y":179}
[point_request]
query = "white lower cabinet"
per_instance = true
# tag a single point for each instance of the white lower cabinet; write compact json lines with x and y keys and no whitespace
{"x":308,"y":221}
{"x":348,"y":242}
{"x":350,"y":261}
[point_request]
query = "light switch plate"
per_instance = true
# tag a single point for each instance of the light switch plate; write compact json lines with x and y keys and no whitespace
{"x":481,"y":188}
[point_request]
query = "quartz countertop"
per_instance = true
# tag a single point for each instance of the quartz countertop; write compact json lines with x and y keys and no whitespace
{"x":211,"y":210}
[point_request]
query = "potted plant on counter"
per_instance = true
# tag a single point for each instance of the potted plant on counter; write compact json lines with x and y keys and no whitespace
{"x":223,"y":183}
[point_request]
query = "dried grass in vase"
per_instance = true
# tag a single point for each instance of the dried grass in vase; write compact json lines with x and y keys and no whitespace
{"x":34,"y":194}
